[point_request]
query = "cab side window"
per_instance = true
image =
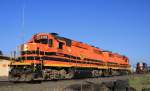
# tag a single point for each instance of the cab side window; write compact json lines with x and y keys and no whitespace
{"x":50,"y":43}
{"x":60,"y":45}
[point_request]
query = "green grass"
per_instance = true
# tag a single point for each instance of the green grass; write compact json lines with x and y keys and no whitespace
{"x":140,"y":82}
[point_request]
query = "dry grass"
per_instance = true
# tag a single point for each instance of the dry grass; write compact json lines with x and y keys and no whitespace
{"x":140,"y":82}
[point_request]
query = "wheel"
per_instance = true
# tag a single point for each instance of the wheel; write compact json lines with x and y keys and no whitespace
{"x":100,"y":73}
{"x":95,"y":73}
{"x":105,"y":73}
{"x":62,"y":74}
{"x":29,"y":77}
{"x":70,"y":75}
{"x":22,"y":77}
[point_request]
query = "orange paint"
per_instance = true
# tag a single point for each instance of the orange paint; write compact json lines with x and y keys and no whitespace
{"x":60,"y":51}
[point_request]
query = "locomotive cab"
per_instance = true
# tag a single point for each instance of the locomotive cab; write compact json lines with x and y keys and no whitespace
{"x":30,"y":62}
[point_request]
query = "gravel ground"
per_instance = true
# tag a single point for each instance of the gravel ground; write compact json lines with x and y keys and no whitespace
{"x":62,"y":85}
{"x":3,"y":79}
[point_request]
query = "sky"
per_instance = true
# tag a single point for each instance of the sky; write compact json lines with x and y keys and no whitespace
{"x":121,"y":26}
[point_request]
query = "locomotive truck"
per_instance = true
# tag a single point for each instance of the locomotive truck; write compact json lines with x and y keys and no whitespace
{"x":48,"y":56}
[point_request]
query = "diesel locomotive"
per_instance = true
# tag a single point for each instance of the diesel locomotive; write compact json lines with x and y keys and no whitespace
{"x":48,"y":56}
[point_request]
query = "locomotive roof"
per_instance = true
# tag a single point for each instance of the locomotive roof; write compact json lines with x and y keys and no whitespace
{"x":70,"y":41}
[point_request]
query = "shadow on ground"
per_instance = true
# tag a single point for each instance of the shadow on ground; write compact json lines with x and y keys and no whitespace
{"x":119,"y":85}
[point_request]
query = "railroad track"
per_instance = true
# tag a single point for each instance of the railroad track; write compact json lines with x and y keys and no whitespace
{"x":59,"y":85}
{"x":109,"y":78}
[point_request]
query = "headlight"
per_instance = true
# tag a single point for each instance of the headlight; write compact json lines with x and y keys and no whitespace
{"x":25,"y":47}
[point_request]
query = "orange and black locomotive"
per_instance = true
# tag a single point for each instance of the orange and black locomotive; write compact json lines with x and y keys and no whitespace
{"x":49,"y":56}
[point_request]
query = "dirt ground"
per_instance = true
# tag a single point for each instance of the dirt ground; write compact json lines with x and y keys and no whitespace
{"x":118,"y":83}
